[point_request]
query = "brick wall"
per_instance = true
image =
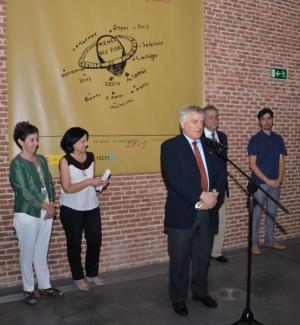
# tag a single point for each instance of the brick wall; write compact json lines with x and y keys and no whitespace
{"x":242,"y":40}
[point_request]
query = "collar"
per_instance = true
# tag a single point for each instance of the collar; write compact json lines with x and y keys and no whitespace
{"x":208,"y":133}
{"x":266,"y":134}
{"x":190,"y":140}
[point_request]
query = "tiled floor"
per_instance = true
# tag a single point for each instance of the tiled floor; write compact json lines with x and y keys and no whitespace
{"x":140,"y":296}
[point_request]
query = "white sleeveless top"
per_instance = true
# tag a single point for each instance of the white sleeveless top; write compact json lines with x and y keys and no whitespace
{"x":85,"y":199}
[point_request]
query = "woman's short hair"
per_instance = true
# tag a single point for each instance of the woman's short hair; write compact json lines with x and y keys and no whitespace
{"x":22,"y":130}
{"x":71,"y":136}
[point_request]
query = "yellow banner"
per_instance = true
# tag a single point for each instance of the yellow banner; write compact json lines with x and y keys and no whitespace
{"x":121,"y":69}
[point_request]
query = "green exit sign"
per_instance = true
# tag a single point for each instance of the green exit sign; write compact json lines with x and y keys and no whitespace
{"x":278,"y":73}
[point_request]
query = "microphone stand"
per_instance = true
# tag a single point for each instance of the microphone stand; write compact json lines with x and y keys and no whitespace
{"x":247,"y":315}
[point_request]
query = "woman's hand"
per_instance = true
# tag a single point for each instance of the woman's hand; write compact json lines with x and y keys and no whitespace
{"x":104,"y":183}
{"x":50,"y":210}
{"x":103,"y":186}
{"x":96,"y":181}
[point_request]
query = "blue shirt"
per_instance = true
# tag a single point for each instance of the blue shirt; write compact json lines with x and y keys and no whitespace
{"x":267,"y":149}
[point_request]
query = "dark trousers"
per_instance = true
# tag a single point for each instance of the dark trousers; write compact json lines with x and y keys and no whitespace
{"x":75,"y":223}
{"x":185,"y":246}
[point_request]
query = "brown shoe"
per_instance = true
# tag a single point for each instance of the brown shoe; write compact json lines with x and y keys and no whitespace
{"x":30,"y":298}
{"x":51,"y":292}
{"x":277,"y":246}
{"x":256,"y":250}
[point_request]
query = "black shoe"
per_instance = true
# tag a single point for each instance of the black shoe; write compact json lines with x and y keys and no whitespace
{"x":222,"y":259}
{"x":207,"y":301}
{"x":180,"y":308}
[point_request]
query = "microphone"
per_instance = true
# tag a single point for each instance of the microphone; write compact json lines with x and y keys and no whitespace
{"x":215,"y":144}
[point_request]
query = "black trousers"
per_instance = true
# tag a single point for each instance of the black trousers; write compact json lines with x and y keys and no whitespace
{"x":186,"y":246}
{"x":75,"y":223}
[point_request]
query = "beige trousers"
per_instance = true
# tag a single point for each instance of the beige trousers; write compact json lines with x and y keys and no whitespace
{"x":219,"y":237}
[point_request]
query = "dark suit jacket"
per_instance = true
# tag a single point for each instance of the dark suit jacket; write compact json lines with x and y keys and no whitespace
{"x":223,"y":140}
{"x":182,"y":178}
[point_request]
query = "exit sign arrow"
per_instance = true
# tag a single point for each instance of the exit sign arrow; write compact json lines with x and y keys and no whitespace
{"x":278,"y":73}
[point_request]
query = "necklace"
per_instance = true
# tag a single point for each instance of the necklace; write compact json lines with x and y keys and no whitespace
{"x":81,"y":159}
{"x":83,"y":169}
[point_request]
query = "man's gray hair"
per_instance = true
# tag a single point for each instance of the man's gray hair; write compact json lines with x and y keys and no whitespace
{"x":189,"y":109}
{"x":211,"y":108}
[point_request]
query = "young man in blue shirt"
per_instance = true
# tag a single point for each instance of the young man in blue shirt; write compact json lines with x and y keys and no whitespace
{"x":266,"y":152}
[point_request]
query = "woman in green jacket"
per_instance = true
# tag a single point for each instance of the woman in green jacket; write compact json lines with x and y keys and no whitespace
{"x":34,"y":210}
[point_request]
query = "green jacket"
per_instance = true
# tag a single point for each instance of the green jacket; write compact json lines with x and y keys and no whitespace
{"x":25,"y":180}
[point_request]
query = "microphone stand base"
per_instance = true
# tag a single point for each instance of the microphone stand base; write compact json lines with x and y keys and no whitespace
{"x":247,"y":318}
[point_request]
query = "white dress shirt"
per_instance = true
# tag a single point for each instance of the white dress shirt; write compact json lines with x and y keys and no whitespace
{"x":199,"y":145}
{"x":209,"y":133}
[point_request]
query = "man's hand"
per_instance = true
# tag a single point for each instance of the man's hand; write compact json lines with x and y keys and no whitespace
{"x":275,"y":183}
{"x":203,"y":207}
{"x":209,"y":199}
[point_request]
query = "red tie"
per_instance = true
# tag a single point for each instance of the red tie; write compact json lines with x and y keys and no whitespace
{"x":204,"y":181}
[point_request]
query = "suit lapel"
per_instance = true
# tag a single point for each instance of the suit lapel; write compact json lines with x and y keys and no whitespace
{"x":188,"y":152}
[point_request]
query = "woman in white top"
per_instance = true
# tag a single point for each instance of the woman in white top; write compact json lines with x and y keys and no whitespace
{"x":79,"y":206}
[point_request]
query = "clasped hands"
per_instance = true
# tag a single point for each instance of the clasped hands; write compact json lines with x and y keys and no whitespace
{"x":50,"y":209}
{"x":207,"y":200}
{"x":275,"y":183}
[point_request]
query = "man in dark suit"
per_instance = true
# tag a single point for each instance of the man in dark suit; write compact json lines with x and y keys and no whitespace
{"x":211,"y":123}
{"x":194,"y":180}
